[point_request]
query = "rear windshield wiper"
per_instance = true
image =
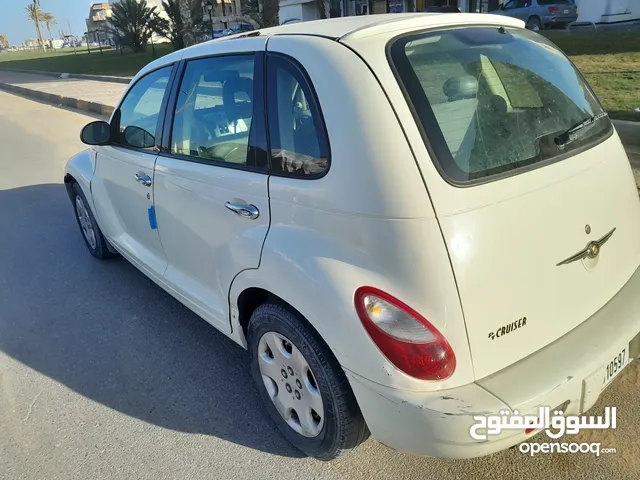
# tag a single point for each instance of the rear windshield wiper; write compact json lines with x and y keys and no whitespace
{"x":571,"y":134}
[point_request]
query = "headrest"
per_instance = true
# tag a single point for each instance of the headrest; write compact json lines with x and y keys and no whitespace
{"x":240,"y":84}
{"x":457,"y":88}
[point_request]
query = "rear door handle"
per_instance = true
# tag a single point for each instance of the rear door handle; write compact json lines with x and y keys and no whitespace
{"x":143,"y":178}
{"x":244,"y":210}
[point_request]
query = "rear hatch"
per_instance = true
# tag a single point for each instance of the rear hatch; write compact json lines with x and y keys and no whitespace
{"x":562,"y":9}
{"x":529,"y":172}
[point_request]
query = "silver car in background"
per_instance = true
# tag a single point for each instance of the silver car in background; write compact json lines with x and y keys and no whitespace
{"x":541,"y":14}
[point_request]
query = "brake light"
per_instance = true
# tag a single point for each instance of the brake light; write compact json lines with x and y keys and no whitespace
{"x":404,"y":336}
{"x":553,"y":9}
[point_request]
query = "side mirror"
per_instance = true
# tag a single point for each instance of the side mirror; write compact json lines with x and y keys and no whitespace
{"x":96,"y":133}
{"x":138,"y":137}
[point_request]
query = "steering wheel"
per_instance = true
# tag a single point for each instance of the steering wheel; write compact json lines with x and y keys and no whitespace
{"x":230,"y":152}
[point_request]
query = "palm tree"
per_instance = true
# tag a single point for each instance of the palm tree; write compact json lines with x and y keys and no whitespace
{"x":128,"y":23}
{"x":35,"y":15}
{"x":186,"y":11}
{"x":4,"y":41}
{"x":49,"y":20}
{"x":175,"y":28}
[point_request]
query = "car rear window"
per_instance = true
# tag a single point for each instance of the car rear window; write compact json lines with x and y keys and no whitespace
{"x":493,"y":100}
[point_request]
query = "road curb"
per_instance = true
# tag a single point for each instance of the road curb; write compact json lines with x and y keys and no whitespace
{"x":79,"y":76}
{"x":75,"y":103}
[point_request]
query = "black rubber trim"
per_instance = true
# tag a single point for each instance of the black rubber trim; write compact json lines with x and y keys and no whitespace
{"x":115,"y":122}
{"x":434,"y":140}
{"x":319,"y":122}
{"x":168,"y":123}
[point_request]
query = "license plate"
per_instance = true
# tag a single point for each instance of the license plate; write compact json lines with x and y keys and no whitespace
{"x":615,"y":366}
{"x":566,"y":10}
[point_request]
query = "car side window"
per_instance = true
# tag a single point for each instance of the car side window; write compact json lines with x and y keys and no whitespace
{"x":136,"y":121}
{"x":298,"y":139}
{"x":215,"y":110}
{"x":509,"y":5}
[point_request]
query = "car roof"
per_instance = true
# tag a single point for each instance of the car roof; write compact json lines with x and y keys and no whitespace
{"x":341,"y":26}
{"x":338,"y":28}
{"x":347,"y":28}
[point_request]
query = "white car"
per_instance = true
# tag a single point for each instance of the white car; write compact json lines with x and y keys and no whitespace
{"x":407,"y":220}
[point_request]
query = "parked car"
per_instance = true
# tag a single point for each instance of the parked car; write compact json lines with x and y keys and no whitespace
{"x":455,"y":234}
{"x":539,"y":14}
{"x":238,"y":28}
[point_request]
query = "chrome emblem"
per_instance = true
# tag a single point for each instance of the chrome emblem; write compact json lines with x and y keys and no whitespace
{"x":592,"y":250}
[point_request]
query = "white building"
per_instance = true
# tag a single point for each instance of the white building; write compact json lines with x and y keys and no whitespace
{"x":595,"y":11}
{"x":608,"y":11}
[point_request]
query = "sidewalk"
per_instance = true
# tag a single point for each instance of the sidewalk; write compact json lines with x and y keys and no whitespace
{"x":86,"y":95}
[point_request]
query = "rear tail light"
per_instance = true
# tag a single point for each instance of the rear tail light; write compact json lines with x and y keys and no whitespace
{"x":553,"y":9}
{"x":404,"y":336}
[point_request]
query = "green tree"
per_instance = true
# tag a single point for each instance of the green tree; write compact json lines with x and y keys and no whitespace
{"x":35,"y":15}
{"x":175,"y":27}
{"x":49,"y":20}
{"x":4,"y":41}
{"x":128,"y":24}
{"x":267,"y":16}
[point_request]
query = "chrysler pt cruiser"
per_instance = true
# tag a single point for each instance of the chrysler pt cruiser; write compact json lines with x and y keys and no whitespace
{"x":407,"y":221}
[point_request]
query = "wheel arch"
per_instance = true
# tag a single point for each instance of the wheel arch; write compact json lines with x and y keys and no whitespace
{"x":80,"y":169}
{"x":537,"y":17}
{"x":252,"y":297}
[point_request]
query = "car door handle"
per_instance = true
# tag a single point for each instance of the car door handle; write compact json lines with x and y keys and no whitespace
{"x":143,"y":178}
{"x":246,"y":211}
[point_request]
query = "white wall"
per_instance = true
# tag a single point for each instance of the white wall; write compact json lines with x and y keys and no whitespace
{"x":302,"y":10}
{"x":608,"y":11}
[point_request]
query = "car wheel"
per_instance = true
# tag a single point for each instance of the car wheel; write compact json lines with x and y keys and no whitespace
{"x":93,"y":238}
{"x":302,"y":385}
{"x":534,"y":24}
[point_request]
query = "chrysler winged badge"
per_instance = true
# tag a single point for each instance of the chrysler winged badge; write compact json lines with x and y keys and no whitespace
{"x":592,"y":250}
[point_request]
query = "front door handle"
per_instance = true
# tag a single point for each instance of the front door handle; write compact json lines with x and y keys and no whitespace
{"x":244,"y":210}
{"x":143,"y":178}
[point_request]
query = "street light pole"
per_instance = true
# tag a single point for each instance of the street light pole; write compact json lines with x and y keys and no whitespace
{"x":71,"y":33}
{"x":209,"y":5}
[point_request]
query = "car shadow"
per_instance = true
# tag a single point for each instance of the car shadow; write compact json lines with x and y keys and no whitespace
{"x":107,"y":332}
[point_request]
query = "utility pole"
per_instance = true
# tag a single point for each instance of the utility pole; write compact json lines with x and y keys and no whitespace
{"x":71,"y":33}
{"x":36,"y":6}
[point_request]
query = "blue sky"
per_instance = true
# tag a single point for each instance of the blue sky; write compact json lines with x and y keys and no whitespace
{"x":14,"y":23}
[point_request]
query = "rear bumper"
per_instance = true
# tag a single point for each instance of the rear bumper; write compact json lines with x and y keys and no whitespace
{"x":559,"y":19}
{"x":569,"y":370}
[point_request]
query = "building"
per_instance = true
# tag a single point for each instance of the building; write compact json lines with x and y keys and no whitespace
{"x":31,"y":44}
{"x":593,"y":11}
{"x":608,"y":11}
{"x":303,"y":10}
{"x":98,"y":21}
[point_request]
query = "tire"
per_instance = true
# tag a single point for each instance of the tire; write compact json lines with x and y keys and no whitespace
{"x":91,"y":233}
{"x":534,"y":24}
{"x":340,"y":426}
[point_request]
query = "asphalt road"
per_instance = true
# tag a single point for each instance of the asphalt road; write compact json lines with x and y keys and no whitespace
{"x":104,"y":375}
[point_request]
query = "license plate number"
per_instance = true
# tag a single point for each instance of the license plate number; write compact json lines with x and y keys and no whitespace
{"x":615,"y":366}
